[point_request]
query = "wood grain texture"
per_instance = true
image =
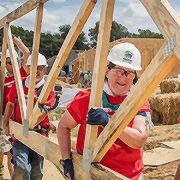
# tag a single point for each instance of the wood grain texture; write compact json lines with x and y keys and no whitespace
{"x":99,"y":73}
{"x":150,"y":79}
{"x":35,"y":52}
{"x":49,"y":149}
{"x":20,"y":11}
{"x":17,"y":76}
{"x":66,"y":48}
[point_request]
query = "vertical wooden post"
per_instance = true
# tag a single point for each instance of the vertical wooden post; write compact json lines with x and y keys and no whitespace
{"x":2,"y":74}
{"x":98,"y":75}
{"x":33,"y":70}
{"x":71,"y":38}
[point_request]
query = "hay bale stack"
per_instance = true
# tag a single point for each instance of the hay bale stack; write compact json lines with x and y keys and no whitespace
{"x":166,"y":108}
{"x":171,"y":85}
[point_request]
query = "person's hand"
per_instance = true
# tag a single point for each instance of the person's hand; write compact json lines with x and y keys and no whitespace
{"x":97,"y":117}
{"x":68,"y":168}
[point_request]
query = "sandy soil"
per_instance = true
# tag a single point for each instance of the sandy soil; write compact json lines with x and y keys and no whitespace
{"x":164,"y":172}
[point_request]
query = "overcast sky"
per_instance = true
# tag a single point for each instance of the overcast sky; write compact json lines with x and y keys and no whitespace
{"x":129,"y":13}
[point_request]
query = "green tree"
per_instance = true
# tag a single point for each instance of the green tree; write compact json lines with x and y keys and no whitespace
{"x":147,"y":34}
{"x":81,"y":43}
{"x":117,"y":31}
{"x":49,"y":43}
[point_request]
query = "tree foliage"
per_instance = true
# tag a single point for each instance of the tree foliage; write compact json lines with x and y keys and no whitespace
{"x":147,"y":34}
{"x":51,"y":43}
{"x":117,"y":31}
{"x":81,"y":43}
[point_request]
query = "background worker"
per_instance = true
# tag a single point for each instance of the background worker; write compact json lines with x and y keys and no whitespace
{"x":26,"y":160}
{"x":8,"y":81}
{"x":125,"y":155}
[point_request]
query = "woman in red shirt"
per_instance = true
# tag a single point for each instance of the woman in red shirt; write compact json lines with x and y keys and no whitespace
{"x":125,"y":155}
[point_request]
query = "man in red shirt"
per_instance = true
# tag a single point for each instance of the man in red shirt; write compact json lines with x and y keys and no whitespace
{"x":125,"y":155}
{"x":8,"y":81}
{"x":25,"y":159}
{"x":9,"y":78}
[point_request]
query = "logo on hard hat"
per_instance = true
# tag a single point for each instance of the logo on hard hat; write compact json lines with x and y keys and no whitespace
{"x":127,"y":57}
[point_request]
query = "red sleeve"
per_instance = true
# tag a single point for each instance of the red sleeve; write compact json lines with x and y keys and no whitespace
{"x":78,"y":108}
{"x":12,"y":96}
{"x":51,"y":99}
{"x":23,"y":72}
{"x":145,"y":108}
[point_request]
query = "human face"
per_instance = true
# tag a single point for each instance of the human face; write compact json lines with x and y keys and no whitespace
{"x":120,"y":80}
{"x":40,"y":72}
{"x":9,"y":66}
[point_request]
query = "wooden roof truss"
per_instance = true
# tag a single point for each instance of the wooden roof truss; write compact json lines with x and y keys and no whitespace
{"x":168,"y":23}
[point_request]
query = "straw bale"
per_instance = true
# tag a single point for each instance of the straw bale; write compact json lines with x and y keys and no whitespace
{"x":166,"y":108}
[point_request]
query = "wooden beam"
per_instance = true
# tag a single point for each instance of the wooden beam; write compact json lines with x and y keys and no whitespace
{"x":150,"y":79}
{"x":35,"y":51}
{"x":64,"y":52}
{"x":17,"y":76}
{"x":49,"y":149}
{"x":98,"y":74}
{"x":2,"y":74}
{"x":166,"y":19}
{"x":20,"y":11}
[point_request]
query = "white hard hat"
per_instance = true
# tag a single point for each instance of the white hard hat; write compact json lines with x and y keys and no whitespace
{"x":8,"y":54}
{"x":41,"y":60}
{"x":126,"y":55}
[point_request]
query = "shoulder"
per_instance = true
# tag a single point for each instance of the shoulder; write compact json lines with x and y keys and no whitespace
{"x":78,"y":108}
{"x":82,"y":95}
{"x":146,"y":107}
{"x":81,"y":99}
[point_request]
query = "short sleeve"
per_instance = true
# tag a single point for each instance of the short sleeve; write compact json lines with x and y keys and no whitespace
{"x":51,"y":99}
{"x":78,"y":108}
{"x":145,"y":108}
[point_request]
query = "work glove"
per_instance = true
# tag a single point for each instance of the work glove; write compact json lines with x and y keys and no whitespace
{"x":68,"y":168}
{"x":97,"y":117}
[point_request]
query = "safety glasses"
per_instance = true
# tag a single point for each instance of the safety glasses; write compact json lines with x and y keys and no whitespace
{"x":122,"y":72}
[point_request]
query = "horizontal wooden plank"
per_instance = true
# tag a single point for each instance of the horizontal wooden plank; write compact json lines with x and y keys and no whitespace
{"x":20,"y":11}
{"x":49,"y":149}
{"x":160,"y":156}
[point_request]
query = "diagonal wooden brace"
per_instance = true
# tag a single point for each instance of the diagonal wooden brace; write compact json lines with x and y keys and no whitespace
{"x":17,"y":76}
{"x":20,"y":11}
{"x":71,"y":38}
{"x":150,"y":79}
{"x":166,"y":19}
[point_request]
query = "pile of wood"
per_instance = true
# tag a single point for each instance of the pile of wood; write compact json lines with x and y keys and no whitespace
{"x":166,"y":105}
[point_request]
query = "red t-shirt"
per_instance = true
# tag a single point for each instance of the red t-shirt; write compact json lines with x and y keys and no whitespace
{"x":16,"y":115}
{"x":8,"y":81}
{"x":120,"y":157}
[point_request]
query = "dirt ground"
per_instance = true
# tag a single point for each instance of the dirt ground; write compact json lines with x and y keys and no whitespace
{"x":161,"y":134}
{"x":163,"y":172}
